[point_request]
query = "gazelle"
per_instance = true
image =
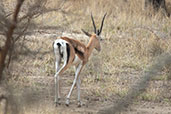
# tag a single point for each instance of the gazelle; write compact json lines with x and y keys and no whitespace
{"x":73,"y":52}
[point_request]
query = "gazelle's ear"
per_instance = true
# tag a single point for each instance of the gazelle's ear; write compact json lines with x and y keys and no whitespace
{"x":86,"y":33}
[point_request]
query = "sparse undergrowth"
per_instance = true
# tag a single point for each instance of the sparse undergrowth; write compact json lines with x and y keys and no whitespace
{"x":132,"y":40}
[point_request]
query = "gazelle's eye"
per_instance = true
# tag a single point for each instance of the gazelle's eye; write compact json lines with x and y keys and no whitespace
{"x":100,"y":39}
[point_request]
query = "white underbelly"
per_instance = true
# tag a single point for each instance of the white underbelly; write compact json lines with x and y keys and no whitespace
{"x":77,"y":60}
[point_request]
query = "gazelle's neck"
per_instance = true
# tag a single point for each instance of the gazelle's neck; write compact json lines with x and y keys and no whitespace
{"x":90,"y":46}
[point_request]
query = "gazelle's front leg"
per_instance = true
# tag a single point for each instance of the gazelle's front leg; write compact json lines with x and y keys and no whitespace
{"x":78,"y":90}
{"x":78,"y":70}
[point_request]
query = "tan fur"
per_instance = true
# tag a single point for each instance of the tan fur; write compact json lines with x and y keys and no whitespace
{"x":76,"y":45}
{"x":86,"y":50}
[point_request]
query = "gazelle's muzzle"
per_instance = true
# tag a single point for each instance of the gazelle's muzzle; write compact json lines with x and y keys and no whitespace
{"x":98,"y":48}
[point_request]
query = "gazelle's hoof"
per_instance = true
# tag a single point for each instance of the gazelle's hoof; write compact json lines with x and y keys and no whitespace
{"x":57,"y":103}
{"x":79,"y":103}
{"x":67,"y":102}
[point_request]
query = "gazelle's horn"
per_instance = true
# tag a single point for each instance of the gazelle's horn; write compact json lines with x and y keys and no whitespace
{"x":99,"y":31}
{"x":94,"y":25}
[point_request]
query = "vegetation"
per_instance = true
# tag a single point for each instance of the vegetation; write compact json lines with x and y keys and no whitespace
{"x":133,"y":38}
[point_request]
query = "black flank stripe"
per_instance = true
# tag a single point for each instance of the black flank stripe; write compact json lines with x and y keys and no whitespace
{"x":79,"y":52}
{"x":68,"y":52}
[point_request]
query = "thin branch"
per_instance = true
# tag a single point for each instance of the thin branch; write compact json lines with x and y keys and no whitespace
{"x":4,"y":51}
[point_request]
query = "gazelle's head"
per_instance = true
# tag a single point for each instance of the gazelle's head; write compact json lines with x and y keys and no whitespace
{"x":96,"y":35}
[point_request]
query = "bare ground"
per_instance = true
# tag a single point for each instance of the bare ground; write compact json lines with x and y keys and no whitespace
{"x":32,"y":84}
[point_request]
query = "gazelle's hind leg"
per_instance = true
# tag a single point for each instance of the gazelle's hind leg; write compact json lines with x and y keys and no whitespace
{"x":78,"y":70}
{"x":58,"y":57}
{"x":58,"y":73}
{"x":57,"y":88}
{"x":57,"y":85}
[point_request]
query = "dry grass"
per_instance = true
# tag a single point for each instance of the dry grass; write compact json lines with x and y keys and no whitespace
{"x":132,"y":41}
